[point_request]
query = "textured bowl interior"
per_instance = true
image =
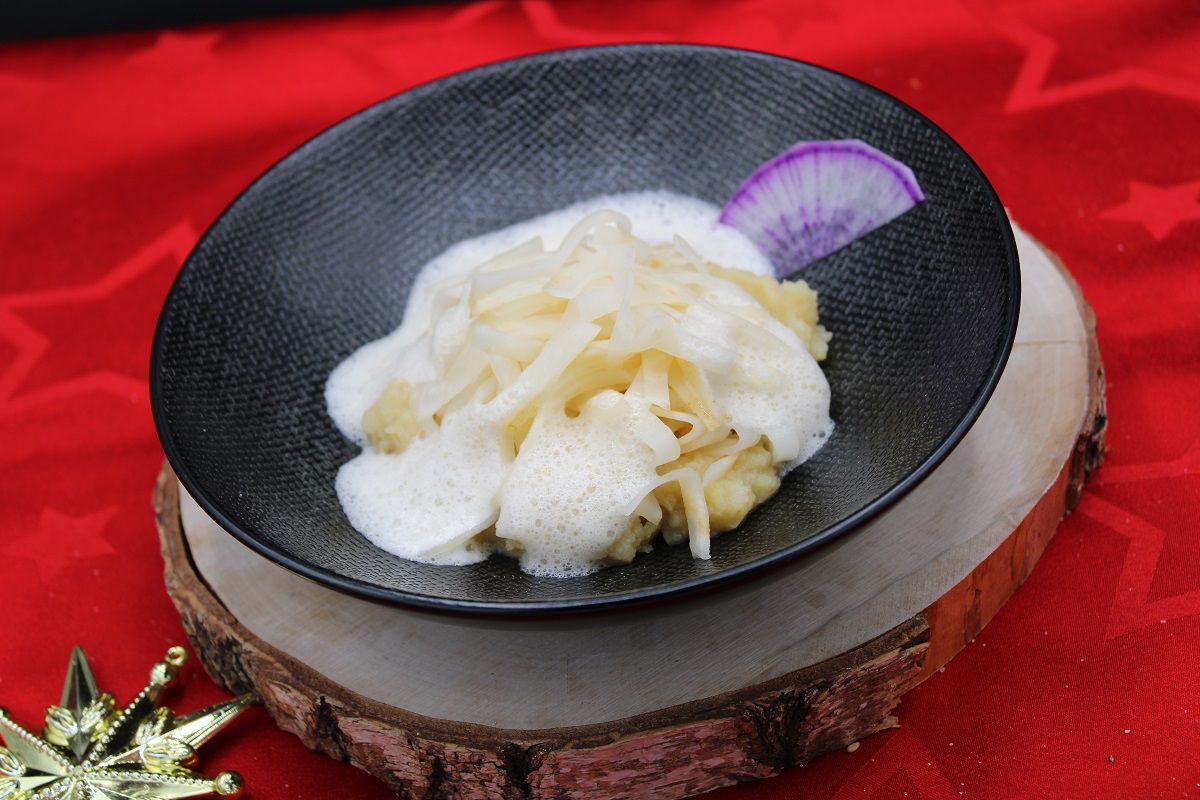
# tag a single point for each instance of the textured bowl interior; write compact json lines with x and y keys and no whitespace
{"x":317,"y":256}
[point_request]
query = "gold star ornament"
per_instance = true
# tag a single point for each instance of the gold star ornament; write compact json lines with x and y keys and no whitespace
{"x":92,"y":750}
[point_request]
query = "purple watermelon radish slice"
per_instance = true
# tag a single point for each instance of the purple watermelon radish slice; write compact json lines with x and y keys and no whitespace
{"x":816,"y":197}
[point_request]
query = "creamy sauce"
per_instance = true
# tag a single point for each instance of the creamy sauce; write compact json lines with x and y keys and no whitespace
{"x":426,"y":503}
{"x":556,"y":501}
{"x":569,"y":492}
{"x":773,"y":387}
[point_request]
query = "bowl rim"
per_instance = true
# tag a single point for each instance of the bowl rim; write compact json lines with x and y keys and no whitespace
{"x":623,"y":600}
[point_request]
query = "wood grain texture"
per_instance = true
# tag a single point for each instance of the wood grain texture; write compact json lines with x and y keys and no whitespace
{"x":680,"y":749}
{"x":677,"y":752}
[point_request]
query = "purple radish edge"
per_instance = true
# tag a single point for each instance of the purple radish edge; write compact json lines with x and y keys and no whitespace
{"x":855,"y":147}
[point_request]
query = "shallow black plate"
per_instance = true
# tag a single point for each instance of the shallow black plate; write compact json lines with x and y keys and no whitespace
{"x":316,"y":257}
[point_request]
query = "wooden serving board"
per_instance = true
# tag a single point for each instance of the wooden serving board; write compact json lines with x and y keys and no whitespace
{"x":681,"y":698}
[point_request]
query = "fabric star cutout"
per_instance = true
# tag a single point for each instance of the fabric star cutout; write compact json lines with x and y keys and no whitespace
{"x":62,"y":540}
{"x":1158,"y":208}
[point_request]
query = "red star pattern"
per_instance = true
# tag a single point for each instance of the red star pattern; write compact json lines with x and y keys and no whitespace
{"x":1158,"y":209}
{"x":1131,"y":609}
{"x":1033,"y":89}
{"x":62,"y":541}
{"x":1063,"y":104}
{"x":59,"y":336}
{"x":880,"y":772}
{"x":1188,"y":463}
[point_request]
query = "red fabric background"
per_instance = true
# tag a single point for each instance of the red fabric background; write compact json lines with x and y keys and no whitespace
{"x":115,"y":152}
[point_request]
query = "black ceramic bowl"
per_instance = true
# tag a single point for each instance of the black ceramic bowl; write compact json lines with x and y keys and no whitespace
{"x":316,"y":257}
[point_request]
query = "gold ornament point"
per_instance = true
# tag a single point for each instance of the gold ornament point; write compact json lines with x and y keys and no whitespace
{"x":81,"y":754}
{"x":176,"y":656}
{"x":10,"y":765}
{"x":228,"y":784}
{"x":163,"y":674}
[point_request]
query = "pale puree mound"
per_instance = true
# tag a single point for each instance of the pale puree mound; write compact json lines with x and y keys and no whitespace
{"x":566,"y":406}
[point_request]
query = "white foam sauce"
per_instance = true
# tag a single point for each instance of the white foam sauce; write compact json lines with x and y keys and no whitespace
{"x":774,"y":386}
{"x":571,"y":482}
{"x":427,"y":502}
{"x":565,"y":496}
